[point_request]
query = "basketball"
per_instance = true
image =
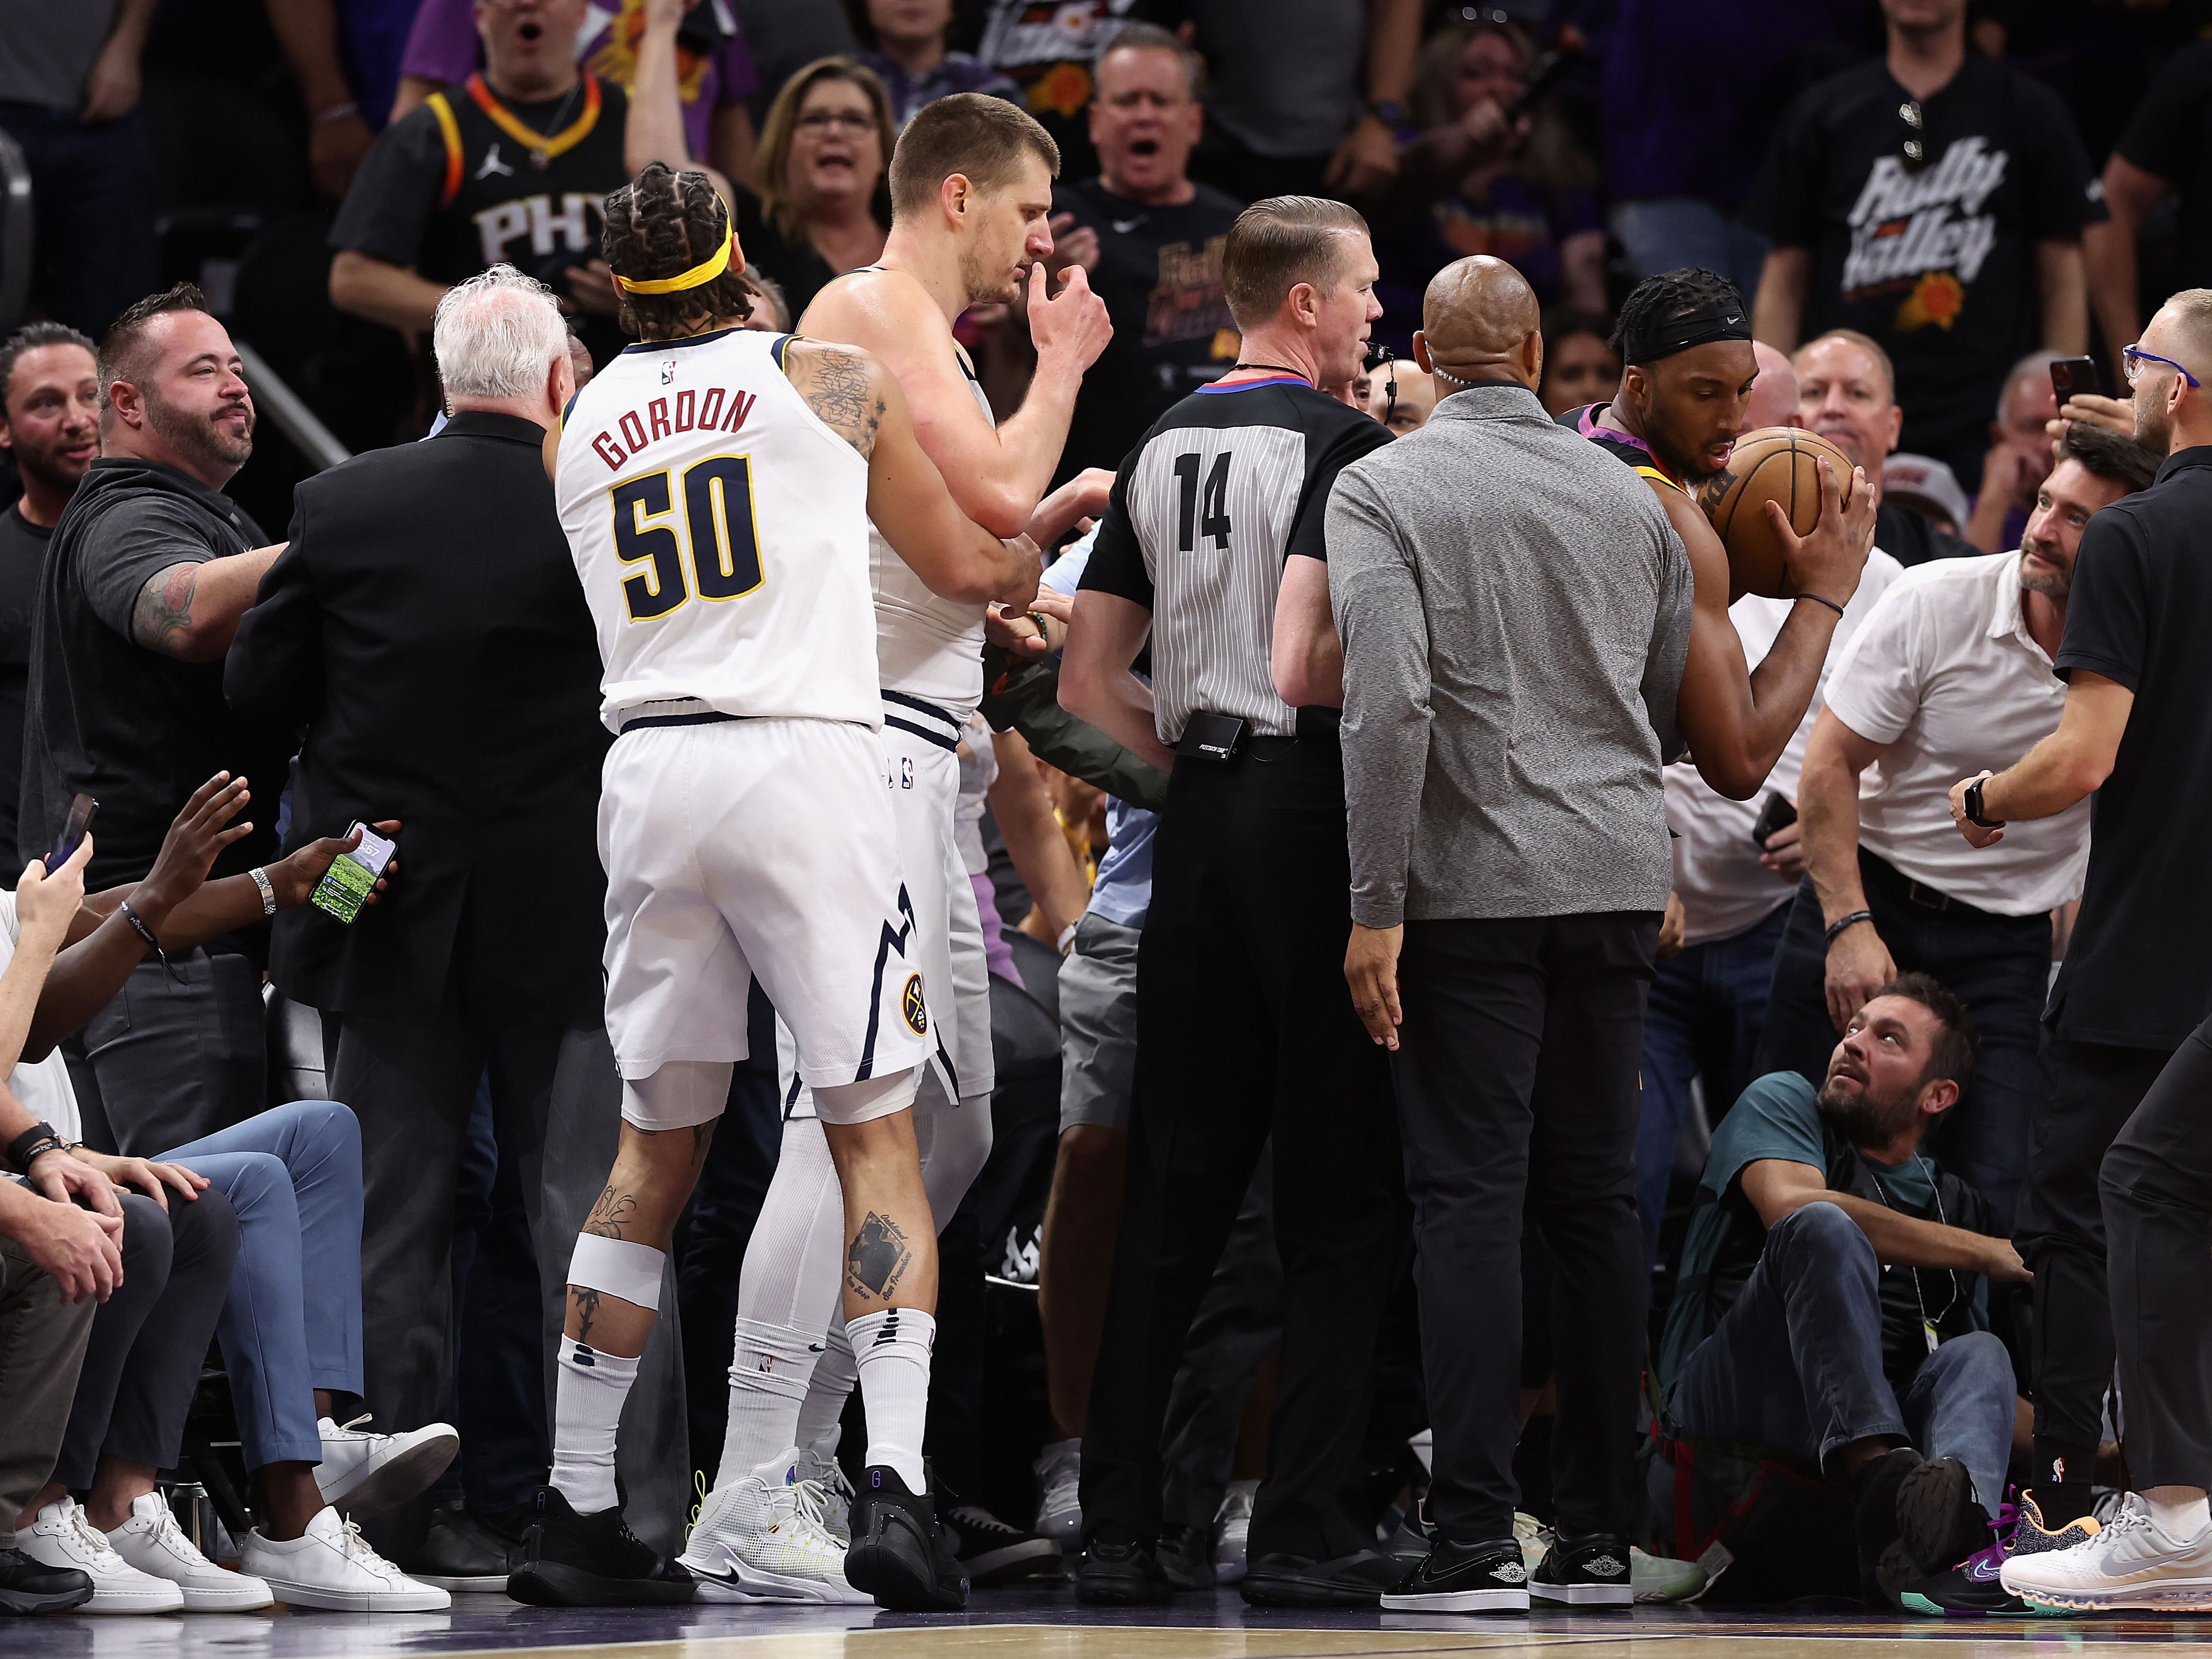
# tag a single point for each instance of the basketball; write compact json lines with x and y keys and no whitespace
{"x":1774,"y":463}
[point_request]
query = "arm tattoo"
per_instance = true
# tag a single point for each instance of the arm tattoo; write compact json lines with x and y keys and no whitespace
{"x":162,"y":613}
{"x":587,"y":1306}
{"x":614,"y":1211}
{"x":839,"y":387}
{"x":878,"y":1258}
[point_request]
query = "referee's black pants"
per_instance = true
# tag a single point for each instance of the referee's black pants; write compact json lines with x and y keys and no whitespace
{"x":1244,"y":1028}
{"x":1517,"y":1069}
{"x":2157,"y":1192}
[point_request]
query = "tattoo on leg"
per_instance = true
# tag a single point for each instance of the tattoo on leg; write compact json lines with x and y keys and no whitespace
{"x":614,"y":1213}
{"x":585,"y":1303}
{"x":878,"y":1257}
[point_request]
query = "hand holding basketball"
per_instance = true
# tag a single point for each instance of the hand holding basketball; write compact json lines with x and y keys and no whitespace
{"x":1794,"y":514}
{"x":1828,"y":562}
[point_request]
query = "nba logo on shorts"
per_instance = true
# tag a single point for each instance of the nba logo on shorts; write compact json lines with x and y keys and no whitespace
{"x":911,"y":1007}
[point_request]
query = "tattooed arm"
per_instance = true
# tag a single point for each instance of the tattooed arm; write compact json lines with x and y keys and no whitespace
{"x":858,"y":398}
{"x":190,"y":611}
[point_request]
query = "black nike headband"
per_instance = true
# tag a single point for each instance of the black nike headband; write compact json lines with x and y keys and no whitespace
{"x":1716,"y":320}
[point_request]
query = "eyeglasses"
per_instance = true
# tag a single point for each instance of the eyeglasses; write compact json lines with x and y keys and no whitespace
{"x":821,"y":120}
{"x":1916,"y":123}
{"x":2132,"y":359}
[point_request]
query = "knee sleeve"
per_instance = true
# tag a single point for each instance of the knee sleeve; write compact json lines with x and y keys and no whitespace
{"x":615,"y":1267}
{"x":791,"y":1272}
{"x":874,"y":1097}
{"x":958,"y":1144}
{"x":682,"y":1093}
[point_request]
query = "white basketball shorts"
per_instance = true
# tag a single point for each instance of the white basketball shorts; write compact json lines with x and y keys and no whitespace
{"x":758,"y":849}
{"x":922,"y":762}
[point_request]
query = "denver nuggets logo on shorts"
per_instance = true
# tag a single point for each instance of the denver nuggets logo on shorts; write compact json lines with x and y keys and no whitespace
{"x":912,"y":1007}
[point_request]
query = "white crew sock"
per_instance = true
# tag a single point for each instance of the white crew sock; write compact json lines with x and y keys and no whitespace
{"x":588,"y":1402}
{"x":893,"y":1349}
{"x":835,"y":1372}
{"x":769,"y":1368}
{"x":2179,"y":1518}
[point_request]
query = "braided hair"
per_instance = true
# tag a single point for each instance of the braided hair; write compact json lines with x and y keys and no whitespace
{"x":1661,"y":298}
{"x":660,"y":225}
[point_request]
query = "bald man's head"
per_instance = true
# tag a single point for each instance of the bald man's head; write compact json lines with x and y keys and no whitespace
{"x":1773,"y":397}
{"x":1479,"y":321}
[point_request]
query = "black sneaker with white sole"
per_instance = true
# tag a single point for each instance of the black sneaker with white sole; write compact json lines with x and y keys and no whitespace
{"x":30,"y":1586}
{"x":991,"y":1551}
{"x":1464,"y":1578}
{"x":899,"y":1553}
{"x":1589,"y":1572}
{"x":571,"y":1560}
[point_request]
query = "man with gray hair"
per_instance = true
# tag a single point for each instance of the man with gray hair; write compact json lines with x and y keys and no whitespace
{"x":426,"y":629}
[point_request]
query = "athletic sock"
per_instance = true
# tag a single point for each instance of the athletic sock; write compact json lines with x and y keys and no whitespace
{"x":835,"y":1372}
{"x":2179,"y":1519}
{"x":588,"y":1402}
{"x":2062,"y":1483}
{"x":893,"y":1349}
{"x":769,"y":1368}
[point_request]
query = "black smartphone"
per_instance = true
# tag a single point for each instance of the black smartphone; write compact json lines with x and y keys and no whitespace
{"x":1776,"y":814}
{"x":2075,"y":377}
{"x":81,"y":812}
{"x":1550,"y":69}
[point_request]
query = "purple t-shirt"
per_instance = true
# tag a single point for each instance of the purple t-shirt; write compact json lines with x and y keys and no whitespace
{"x":443,"y":46}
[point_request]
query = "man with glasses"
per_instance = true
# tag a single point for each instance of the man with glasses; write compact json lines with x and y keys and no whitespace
{"x":1935,"y":200}
{"x":2124,"y":1059}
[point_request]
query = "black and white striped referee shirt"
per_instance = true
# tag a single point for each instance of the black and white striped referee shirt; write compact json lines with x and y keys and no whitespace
{"x":1224,"y":487}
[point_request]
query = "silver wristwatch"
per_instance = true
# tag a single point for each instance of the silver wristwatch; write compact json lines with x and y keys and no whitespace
{"x":268,"y":893}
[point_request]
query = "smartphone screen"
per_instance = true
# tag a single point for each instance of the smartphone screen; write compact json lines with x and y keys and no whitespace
{"x":2075,"y":377}
{"x":346,"y":885}
{"x":80,"y":819}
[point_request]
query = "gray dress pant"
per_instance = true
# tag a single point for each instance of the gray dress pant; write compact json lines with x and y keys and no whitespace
{"x":559,"y":1098}
{"x":42,"y":1340}
{"x":178,"y":1053}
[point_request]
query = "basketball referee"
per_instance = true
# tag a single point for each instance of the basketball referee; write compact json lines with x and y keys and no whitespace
{"x":1244,"y":1026}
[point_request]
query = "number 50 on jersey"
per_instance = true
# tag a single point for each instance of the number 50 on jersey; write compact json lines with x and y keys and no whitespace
{"x":687,"y":530}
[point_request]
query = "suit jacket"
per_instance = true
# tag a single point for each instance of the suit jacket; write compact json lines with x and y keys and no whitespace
{"x":427,"y":628}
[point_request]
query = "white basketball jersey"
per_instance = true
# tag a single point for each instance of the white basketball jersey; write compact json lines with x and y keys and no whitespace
{"x":721,"y":530}
{"x":927,"y":646}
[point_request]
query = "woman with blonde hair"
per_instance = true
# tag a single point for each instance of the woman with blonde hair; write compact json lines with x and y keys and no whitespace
{"x":823,"y":210}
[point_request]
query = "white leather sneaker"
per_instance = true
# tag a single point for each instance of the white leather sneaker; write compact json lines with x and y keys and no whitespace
{"x":1060,"y":1503}
{"x":330,"y":1565}
{"x":362,"y":1475}
{"x":1232,"y":1531}
{"x":64,"y":1537}
{"x":152,"y":1541}
{"x":764,"y":1539}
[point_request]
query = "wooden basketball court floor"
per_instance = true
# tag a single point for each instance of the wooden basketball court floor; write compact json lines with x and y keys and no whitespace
{"x":1046,"y":1623}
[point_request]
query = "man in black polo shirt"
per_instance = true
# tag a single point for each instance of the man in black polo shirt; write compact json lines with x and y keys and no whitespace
{"x":1243,"y":1027}
{"x":2135,"y":987}
{"x":507,"y":169}
{"x":148,"y":573}
{"x":1154,"y":240}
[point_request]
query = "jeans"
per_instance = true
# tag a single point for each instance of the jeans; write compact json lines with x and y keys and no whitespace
{"x":1998,"y":966}
{"x":293,"y":1177}
{"x":1668,"y":233}
{"x":93,"y":204}
{"x":1707,"y":1005}
{"x":1796,"y":1363}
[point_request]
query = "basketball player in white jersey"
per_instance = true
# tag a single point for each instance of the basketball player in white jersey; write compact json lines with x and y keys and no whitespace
{"x":715,"y":485}
{"x":971,"y":192}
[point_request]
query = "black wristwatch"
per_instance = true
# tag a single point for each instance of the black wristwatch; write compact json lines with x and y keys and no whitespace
{"x":33,"y":1144}
{"x":1391,"y":112}
{"x":1974,"y":805}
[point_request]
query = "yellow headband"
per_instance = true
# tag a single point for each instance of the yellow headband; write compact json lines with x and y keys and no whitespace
{"x":705,"y":272}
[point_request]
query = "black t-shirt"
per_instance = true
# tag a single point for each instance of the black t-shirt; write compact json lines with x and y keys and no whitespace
{"x":2171,"y":135}
{"x":798,"y":269}
{"x":1159,"y":272}
{"x":449,"y":208}
{"x":1912,"y":538}
{"x":1938,"y":263}
{"x":136,"y":730}
{"x":23,"y":556}
{"x":2138,"y":972}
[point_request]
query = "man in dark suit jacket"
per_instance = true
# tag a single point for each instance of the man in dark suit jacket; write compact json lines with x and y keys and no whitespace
{"x":427,"y":626}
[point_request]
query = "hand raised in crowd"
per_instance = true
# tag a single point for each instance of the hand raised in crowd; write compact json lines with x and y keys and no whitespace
{"x":196,"y":836}
{"x":1370,"y":969}
{"x":1489,"y":135}
{"x":45,"y":903}
{"x":2113,"y":414}
{"x":1785,"y":852}
{"x":82,"y":1250}
{"x":592,"y":288}
{"x":1977,"y":835}
{"x":1071,"y":326}
{"x":1365,"y":160}
{"x":1072,"y":245}
{"x":2009,"y":474}
{"x":1828,"y":562}
{"x":1859,"y":965}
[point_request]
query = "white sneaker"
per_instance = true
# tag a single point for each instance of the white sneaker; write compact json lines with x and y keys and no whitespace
{"x":330,"y":1565}
{"x":152,"y":1541}
{"x":818,"y":1463}
{"x":1232,"y":1531}
{"x":1060,"y":1502}
{"x":363,"y":1475}
{"x":64,"y":1537}
{"x":2131,"y":1563}
{"x":764,"y":1539}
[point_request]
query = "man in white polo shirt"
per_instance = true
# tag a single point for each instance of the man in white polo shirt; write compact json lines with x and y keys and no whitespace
{"x":1952,"y":668}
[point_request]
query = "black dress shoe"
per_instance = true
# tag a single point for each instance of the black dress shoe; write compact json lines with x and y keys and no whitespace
{"x":1488,"y":1577}
{"x":464,"y":1553}
{"x":571,"y":1560}
{"x":992,"y":1551}
{"x":1114,"y":1575}
{"x":1299,"y":1580}
{"x":1588,"y":1572}
{"x":30,"y":1586}
{"x":1186,"y":1556}
{"x":900,"y":1554}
